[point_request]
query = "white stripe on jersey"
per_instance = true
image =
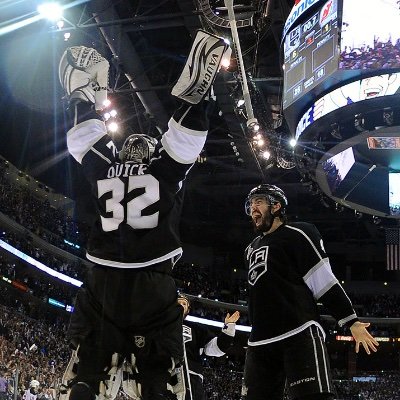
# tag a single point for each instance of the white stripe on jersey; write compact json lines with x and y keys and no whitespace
{"x":320,"y":278}
{"x":83,"y":136}
{"x":287,"y":334}
{"x":101,"y":155}
{"x":344,"y":320}
{"x":316,"y":361}
{"x":174,"y":255}
{"x":321,"y":340}
{"x":183,"y":144}
{"x":309,"y":240}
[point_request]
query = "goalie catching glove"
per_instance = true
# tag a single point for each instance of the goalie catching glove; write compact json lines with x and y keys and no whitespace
{"x":83,"y":74}
{"x":201,"y":67}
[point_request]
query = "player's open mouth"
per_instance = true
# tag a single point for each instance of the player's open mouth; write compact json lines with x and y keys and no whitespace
{"x":371,"y":92}
{"x":257,"y":218}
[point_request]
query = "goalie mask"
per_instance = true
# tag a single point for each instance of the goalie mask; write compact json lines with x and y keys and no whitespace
{"x":138,"y":148}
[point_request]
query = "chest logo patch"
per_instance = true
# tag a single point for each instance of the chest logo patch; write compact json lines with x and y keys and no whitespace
{"x":257,"y":264}
{"x":187,"y":333}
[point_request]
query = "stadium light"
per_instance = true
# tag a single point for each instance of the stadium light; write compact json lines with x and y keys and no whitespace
{"x":51,"y":11}
{"x":293,"y":142}
{"x":226,"y":62}
{"x":113,"y":127}
{"x":113,"y":113}
{"x":266,"y":154}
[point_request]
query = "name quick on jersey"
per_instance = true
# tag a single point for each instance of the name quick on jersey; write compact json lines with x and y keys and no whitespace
{"x":125,"y":170}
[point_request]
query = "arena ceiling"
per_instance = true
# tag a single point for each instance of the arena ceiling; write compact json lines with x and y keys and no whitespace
{"x":147,"y":43}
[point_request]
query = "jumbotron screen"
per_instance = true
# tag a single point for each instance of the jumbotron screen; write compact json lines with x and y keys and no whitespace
{"x":310,"y":51}
{"x":370,"y":35}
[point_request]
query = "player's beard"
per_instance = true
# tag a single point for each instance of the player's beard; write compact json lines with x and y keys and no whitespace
{"x":266,"y":222}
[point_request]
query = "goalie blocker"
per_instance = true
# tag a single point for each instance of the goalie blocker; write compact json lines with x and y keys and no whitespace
{"x":201,"y":67}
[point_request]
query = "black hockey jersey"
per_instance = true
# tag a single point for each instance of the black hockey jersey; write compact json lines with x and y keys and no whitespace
{"x":138,"y":205}
{"x":288,"y":272}
{"x":199,"y":340}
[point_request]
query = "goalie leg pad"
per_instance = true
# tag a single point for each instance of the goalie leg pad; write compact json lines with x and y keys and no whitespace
{"x":177,"y":381}
{"x":130,"y":386}
{"x":201,"y":67}
{"x":108,"y":389}
{"x":69,"y":376}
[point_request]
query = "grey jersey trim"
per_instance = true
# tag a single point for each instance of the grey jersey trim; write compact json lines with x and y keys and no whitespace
{"x":175,"y":255}
{"x":287,"y":334}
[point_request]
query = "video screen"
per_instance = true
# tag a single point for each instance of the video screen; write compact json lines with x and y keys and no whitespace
{"x":394,"y":193}
{"x":337,"y":167}
{"x":370,"y":35}
{"x":360,"y":90}
{"x":311,"y":45}
{"x":384,"y":143}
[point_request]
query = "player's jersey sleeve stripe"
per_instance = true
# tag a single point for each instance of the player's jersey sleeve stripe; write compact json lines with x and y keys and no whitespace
{"x":183,"y":144}
{"x":347,"y":319}
{"x":83,"y":136}
{"x":101,"y":155}
{"x":307,"y":238}
{"x":320,"y":278}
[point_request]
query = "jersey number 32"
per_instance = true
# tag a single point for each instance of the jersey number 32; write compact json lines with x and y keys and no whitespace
{"x":134,"y":208}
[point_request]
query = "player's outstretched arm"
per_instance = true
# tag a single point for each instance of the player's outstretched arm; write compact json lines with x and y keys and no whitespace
{"x":361,"y":335}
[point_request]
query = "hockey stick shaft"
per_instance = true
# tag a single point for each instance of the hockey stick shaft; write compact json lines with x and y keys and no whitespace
{"x":251,"y":120}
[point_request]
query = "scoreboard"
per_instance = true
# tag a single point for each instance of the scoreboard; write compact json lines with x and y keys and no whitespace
{"x":310,"y":50}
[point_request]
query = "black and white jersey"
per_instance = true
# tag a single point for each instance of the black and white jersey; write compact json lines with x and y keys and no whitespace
{"x":288,"y":273}
{"x":138,"y":205}
{"x":199,"y":341}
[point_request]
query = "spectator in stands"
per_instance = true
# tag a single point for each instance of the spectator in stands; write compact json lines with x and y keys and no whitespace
{"x":33,"y":390}
{"x":3,"y":385}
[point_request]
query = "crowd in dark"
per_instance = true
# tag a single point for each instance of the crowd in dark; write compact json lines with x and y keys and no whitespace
{"x":46,"y":360}
{"x":41,"y":218}
{"x":384,"y":55}
{"x":26,"y":319}
{"x":33,"y":348}
{"x":382,"y":386}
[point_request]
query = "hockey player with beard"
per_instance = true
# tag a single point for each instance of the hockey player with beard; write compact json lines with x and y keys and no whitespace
{"x":200,"y":341}
{"x":288,"y":273}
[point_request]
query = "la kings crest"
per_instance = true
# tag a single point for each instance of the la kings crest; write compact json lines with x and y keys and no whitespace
{"x":187,"y":333}
{"x":257,"y":259}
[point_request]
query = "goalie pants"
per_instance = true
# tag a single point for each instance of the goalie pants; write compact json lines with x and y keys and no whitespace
{"x":301,"y":360}
{"x":128,"y":311}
